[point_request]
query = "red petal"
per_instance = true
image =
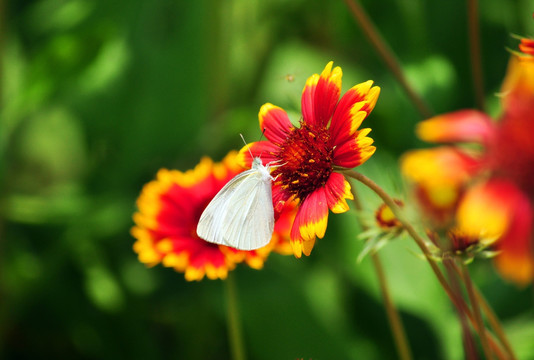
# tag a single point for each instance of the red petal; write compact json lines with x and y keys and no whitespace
{"x":308,"y":99}
{"x":265,"y":150}
{"x":320,"y":96}
{"x":486,"y":210}
{"x":282,"y":229}
{"x":459,"y":126}
{"x":499,"y":209}
{"x":312,"y":217}
{"x":352,"y":109}
{"x":355,"y":151}
{"x":337,"y":190}
{"x":443,"y":165}
{"x":274,"y":123}
{"x":208,"y":260}
{"x":516,"y":260}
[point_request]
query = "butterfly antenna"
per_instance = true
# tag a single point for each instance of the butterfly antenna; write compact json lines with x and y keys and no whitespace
{"x":248,"y":147}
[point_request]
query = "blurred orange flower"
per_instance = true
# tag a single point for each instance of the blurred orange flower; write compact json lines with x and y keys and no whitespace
{"x":169,"y":210}
{"x":385,"y":219}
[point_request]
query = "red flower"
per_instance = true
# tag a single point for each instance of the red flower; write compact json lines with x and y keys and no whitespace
{"x":328,"y":137}
{"x":492,"y":187}
{"x":169,"y":210}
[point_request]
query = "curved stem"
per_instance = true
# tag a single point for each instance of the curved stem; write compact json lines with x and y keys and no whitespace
{"x":395,"y":322}
{"x":234,"y":325}
{"x":458,"y":302}
{"x":397,"y":329}
{"x":476,"y":311}
{"x":407,"y":226}
{"x":469,"y":341}
{"x":387,"y":55}
{"x":492,"y":319}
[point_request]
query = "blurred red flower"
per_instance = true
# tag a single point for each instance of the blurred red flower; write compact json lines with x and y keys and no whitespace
{"x":490,"y":187}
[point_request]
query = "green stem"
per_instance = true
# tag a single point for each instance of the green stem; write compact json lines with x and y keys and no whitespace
{"x":476,"y":311}
{"x":492,"y":319}
{"x":395,"y":322}
{"x":387,"y":55}
{"x":234,"y":324}
{"x":474,"y":49}
{"x":469,"y":342}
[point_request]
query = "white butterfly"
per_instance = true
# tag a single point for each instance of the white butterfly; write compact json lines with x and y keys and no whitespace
{"x":241,"y":215}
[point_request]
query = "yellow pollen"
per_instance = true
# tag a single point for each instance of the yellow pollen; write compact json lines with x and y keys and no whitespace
{"x":295,"y":182}
{"x":305,"y":175}
{"x":311,"y":134}
{"x":311,"y":161}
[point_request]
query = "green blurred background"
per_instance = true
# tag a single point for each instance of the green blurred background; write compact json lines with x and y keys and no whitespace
{"x":96,"y":96}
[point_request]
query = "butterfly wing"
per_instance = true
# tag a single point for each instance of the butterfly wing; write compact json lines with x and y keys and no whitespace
{"x":250,"y":217}
{"x":212,"y":219}
{"x":241,"y":215}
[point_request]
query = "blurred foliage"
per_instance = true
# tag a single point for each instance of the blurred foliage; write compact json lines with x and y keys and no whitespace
{"x":97,"y":95}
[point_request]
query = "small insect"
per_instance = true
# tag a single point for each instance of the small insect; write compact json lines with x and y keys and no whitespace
{"x":241,"y":215}
{"x":289,"y":77}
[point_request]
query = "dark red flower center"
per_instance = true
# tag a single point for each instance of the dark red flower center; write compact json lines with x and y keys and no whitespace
{"x":460,"y":241}
{"x":306,"y":161}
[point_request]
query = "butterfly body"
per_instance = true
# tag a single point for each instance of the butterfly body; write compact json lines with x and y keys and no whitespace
{"x":241,"y":215}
